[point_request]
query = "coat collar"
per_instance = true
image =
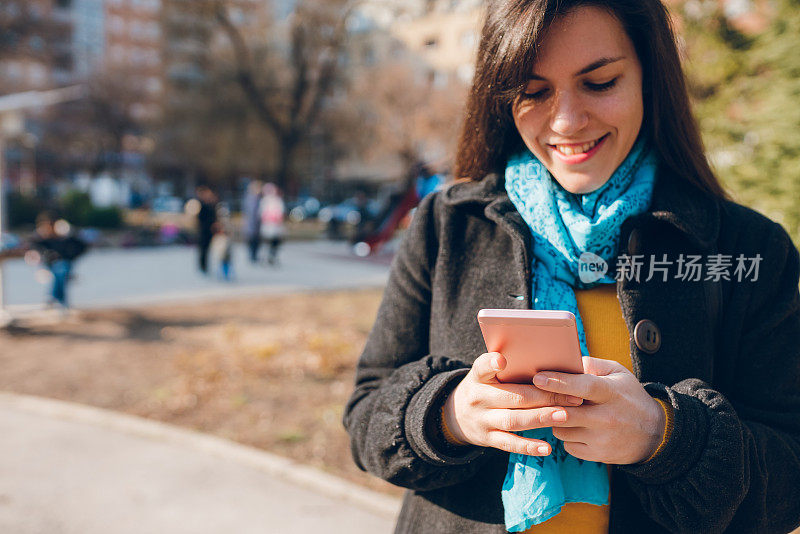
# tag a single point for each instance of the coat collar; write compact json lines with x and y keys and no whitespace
{"x":675,"y":203}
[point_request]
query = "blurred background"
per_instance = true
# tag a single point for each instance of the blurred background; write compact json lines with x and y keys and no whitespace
{"x":331,"y":101}
{"x":266,"y":155}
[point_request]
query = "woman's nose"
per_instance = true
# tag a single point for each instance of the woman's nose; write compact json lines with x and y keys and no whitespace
{"x":569,"y":115}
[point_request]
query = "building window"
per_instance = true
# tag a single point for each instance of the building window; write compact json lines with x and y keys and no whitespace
{"x":153,"y":30}
{"x":118,"y":54}
{"x":12,"y":70}
{"x":37,"y":74}
{"x":465,"y":73}
{"x":117,"y":24}
{"x":237,"y":16}
{"x":370,"y":58}
{"x":440,"y":79}
{"x":468,"y":39}
{"x":153,"y":57}
{"x":154,"y":85}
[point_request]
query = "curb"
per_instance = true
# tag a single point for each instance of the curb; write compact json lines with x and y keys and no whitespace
{"x":210,"y":295}
{"x":278,"y":466}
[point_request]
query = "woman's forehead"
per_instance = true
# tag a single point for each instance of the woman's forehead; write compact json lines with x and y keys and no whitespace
{"x":580,"y":38}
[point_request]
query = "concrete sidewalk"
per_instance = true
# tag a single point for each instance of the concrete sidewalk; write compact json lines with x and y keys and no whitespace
{"x":132,"y":277}
{"x":67,"y":468}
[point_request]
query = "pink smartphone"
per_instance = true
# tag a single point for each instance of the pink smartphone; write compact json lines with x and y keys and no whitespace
{"x":532,"y":341}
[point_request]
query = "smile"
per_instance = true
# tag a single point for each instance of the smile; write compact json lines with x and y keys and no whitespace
{"x":577,"y":153}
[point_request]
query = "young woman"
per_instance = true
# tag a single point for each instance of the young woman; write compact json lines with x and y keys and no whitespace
{"x":579,"y":139}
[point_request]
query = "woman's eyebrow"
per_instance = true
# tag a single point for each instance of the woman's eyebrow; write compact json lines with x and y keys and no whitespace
{"x":594,"y":65}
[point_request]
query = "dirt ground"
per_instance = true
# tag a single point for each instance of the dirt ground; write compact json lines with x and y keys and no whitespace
{"x":271,"y":372}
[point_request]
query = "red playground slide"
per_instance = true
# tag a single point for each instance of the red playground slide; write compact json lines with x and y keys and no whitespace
{"x":399,"y":208}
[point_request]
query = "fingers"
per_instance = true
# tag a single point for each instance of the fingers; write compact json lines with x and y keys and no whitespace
{"x":513,"y":443}
{"x":574,"y":434}
{"x":523,"y":396}
{"x":586,"y":386}
{"x":486,"y":367}
{"x":519,"y":420}
{"x":600,"y":367}
{"x":580,"y":450}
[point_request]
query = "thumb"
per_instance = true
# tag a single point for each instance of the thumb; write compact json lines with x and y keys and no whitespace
{"x":600,"y":367}
{"x":487,"y":366}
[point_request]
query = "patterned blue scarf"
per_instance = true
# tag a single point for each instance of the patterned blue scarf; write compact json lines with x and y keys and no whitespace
{"x":569,"y":232}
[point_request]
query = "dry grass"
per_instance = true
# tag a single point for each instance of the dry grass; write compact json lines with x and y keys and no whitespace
{"x":269,"y":372}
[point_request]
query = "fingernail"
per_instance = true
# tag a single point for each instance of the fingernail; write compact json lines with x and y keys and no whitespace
{"x":559,"y":416}
{"x":543,"y":449}
{"x":539,"y":380}
{"x":495,"y":363}
{"x":574,"y":400}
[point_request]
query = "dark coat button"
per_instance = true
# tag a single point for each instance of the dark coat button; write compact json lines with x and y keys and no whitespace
{"x":647,"y":336}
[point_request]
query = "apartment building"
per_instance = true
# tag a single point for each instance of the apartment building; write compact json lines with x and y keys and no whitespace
{"x":36,"y":48}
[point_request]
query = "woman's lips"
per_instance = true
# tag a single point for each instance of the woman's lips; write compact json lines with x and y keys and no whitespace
{"x":573,"y":154}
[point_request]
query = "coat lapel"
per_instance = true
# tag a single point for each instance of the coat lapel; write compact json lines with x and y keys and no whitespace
{"x":681,"y":220}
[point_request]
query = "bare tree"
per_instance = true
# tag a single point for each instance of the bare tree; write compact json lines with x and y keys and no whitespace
{"x":408,"y":115}
{"x":287,"y":88}
{"x":210,"y":133}
{"x":91,"y":132}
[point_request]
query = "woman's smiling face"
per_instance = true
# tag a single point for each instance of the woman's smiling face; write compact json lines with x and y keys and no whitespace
{"x":582,"y":108}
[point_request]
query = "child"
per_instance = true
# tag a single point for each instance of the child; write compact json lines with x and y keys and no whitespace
{"x":221,"y":251}
{"x":57,"y":252}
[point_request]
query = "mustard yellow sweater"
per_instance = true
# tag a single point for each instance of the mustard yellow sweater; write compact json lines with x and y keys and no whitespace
{"x":606,"y":337}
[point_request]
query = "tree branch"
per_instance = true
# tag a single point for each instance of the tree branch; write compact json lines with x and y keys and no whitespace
{"x":244,"y":71}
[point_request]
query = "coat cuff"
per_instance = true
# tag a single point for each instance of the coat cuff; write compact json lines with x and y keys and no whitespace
{"x":423,"y":422}
{"x":685,"y":445}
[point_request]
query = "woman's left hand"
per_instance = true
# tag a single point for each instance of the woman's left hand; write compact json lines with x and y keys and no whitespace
{"x":620,"y":424}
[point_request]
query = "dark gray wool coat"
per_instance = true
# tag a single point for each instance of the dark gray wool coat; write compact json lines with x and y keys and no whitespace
{"x":729,"y":364}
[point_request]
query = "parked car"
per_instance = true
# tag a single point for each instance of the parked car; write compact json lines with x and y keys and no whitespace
{"x":303,"y":208}
{"x":347,"y":212}
{"x":344,"y":212}
{"x":167,"y":204}
{"x":10,"y":245}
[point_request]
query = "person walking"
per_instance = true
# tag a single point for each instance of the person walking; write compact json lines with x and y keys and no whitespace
{"x":273,"y":212}
{"x":579,"y":146}
{"x":251,"y":218}
{"x":206,"y":217}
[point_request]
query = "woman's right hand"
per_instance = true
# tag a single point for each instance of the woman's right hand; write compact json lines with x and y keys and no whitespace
{"x":486,"y":412}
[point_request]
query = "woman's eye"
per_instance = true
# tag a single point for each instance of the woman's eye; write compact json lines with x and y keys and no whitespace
{"x":600,"y":87}
{"x":536,"y":95}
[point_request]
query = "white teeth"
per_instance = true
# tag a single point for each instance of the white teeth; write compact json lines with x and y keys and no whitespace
{"x":572,"y":150}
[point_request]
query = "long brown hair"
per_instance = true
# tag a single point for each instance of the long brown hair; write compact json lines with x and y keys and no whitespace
{"x":511,"y":34}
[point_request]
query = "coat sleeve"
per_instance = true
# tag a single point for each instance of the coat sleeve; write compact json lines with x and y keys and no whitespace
{"x":392,"y":415}
{"x":733,"y":461}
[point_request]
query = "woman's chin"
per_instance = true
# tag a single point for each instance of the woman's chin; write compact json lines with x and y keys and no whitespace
{"x":580,"y":184}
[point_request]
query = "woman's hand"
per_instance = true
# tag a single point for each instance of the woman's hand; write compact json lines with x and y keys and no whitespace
{"x":485,"y":412}
{"x":620,"y":423}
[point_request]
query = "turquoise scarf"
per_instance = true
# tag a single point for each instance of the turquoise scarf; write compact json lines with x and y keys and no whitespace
{"x":568,"y":230}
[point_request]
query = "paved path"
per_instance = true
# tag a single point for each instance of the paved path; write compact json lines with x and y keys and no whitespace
{"x":125,"y":277}
{"x":73,"y":469}
{"x":66,"y":468}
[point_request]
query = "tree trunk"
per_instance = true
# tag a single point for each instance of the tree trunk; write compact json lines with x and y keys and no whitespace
{"x":285,"y":177}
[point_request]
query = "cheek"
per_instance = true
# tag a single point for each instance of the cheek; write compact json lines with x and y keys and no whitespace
{"x":628,"y":112}
{"x":529,"y":124}
{"x":622,"y":114}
